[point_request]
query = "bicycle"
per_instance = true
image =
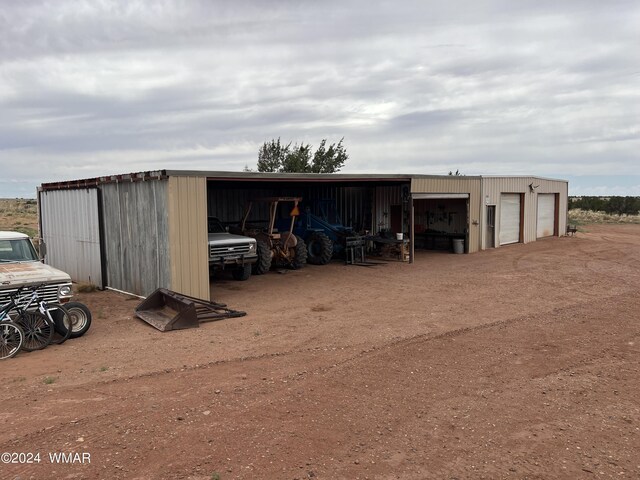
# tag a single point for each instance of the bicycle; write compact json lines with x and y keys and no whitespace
{"x":39,"y":325}
{"x":55,"y":313}
{"x":11,"y":334}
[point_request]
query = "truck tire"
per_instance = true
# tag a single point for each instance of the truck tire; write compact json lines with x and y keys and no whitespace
{"x":80,"y":320}
{"x":263,"y":265}
{"x":319,"y":249}
{"x":242,"y":273}
{"x":300,"y":258}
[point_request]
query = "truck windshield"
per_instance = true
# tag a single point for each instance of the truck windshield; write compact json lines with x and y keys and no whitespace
{"x":20,"y":250}
{"x":214,"y":226}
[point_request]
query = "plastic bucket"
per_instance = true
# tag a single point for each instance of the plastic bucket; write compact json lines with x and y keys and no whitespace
{"x":458,"y":245}
{"x":399,"y":236}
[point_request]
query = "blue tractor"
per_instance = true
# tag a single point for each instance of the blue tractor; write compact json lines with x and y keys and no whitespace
{"x":321,"y":228}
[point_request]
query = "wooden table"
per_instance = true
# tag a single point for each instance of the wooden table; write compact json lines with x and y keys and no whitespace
{"x":391,"y":247}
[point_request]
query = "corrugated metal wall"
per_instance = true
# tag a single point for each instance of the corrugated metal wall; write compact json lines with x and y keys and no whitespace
{"x":136,"y":236}
{"x":352,"y":203}
{"x":492,"y":187}
{"x":227,"y":202}
{"x":456,"y":184}
{"x":188,"y":236}
{"x":71,"y":232}
{"x":384,"y":198}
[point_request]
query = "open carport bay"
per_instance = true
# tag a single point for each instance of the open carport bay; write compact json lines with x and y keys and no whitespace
{"x":511,"y":363}
{"x":354,"y":202}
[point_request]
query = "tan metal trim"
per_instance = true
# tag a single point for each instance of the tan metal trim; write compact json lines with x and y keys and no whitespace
{"x":188,"y":236}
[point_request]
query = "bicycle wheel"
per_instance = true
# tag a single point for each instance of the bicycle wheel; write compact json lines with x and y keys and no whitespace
{"x":11,"y":339}
{"x":38,"y":331}
{"x":59,"y":315}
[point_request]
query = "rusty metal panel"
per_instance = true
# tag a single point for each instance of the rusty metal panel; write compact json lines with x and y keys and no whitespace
{"x":136,"y":235}
{"x":70,"y":229}
{"x":187,"y":204}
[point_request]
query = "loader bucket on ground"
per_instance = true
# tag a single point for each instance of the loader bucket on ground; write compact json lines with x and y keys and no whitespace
{"x":167,"y":310}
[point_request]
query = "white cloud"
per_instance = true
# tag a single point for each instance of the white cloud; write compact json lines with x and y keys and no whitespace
{"x":498,"y":87}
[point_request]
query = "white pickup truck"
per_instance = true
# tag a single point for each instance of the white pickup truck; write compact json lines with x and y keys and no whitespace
{"x":20,"y":266}
{"x":226,"y":250}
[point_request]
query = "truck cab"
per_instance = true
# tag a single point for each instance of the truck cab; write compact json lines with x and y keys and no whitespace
{"x":20,"y":266}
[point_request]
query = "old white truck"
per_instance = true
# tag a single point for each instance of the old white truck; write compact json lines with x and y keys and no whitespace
{"x":20,"y":266}
{"x":229,"y":251}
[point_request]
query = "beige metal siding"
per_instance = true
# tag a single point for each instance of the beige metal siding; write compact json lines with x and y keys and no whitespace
{"x":455,"y":184}
{"x":492,"y":187}
{"x":188,"y":236}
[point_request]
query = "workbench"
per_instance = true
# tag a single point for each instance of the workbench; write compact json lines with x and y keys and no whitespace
{"x":391,"y":247}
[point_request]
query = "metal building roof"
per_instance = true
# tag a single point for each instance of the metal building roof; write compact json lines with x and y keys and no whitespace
{"x":257,"y":176}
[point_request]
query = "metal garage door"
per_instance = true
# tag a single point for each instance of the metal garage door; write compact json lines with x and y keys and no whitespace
{"x":509,"y":218}
{"x":546,"y":214}
{"x":70,"y":230}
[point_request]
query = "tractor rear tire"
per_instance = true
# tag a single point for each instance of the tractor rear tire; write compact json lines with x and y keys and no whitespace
{"x":263,"y":265}
{"x":319,"y":249}
{"x":300,"y":258}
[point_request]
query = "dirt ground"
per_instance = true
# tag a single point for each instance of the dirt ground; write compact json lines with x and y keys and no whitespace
{"x":518,"y":363}
{"x":19,"y":215}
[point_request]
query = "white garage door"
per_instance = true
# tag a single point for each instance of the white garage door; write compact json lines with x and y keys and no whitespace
{"x":546,"y":214}
{"x":509,"y":218}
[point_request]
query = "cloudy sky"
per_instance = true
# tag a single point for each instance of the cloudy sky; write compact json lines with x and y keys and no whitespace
{"x":496,"y":87}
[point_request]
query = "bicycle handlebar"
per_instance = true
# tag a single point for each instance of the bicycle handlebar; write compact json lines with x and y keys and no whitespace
{"x":32,"y":288}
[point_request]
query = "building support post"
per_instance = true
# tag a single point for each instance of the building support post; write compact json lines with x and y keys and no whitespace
{"x":412,"y":231}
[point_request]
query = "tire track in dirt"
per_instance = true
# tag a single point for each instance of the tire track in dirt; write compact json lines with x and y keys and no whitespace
{"x":433,"y":395}
{"x":82,"y":395}
{"x":572,"y":367}
{"x":368,"y":357}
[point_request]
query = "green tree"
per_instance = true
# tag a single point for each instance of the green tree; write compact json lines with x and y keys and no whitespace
{"x":329,"y":159}
{"x":297,"y":160}
{"x":273,"y":156}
